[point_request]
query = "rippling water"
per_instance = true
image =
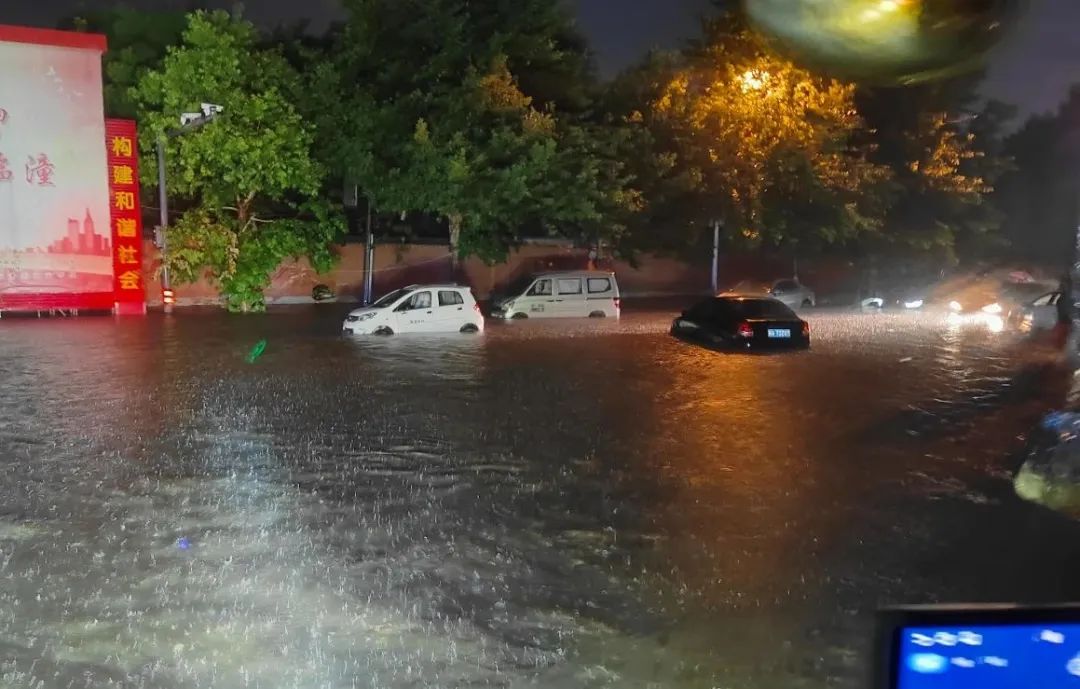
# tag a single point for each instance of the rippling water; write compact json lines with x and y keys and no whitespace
{"x":573,"y":504}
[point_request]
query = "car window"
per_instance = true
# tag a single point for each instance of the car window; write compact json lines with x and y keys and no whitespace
{"x":599,"y":285}
{"x":1046,"y":300}
{"x":450,"y":298}
{"x":420,"y":300}
{"x":760,"y":308}
{"x":706,"y":311}
{"x":389,"y":299}
{"x":786,"y":286}
{"x":569,"y":285}
{"x":542,"y":288}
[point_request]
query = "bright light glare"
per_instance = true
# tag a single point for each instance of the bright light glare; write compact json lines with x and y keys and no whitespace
{"x":955,"y":306}
{"x":754,"y":80}
{"x":994,"y":324}
{"x":917,"y":304}
{"x":992,"y":308}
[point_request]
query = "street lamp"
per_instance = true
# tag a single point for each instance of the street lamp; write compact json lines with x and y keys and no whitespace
{"x":189,"y":121}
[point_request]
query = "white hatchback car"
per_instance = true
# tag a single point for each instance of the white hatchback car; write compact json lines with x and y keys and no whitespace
{"x":418,"y":309}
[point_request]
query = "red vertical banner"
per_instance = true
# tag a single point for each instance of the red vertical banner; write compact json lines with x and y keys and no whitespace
{"x":121,"y":143}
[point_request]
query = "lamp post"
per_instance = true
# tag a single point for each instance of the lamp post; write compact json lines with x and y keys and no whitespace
{"x":189,"y":121}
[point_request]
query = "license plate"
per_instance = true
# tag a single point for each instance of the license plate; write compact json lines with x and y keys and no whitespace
{"x":779,"y":332}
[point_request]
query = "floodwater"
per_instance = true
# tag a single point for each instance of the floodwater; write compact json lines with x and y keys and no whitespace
{"x":571,"y":504}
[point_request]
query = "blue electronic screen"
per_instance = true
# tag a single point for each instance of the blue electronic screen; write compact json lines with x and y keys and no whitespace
{"x":1029,"y":656}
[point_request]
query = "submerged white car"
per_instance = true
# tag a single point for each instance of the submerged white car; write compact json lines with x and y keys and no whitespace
{"x":793,"y":293}
{"x":418,"y":309}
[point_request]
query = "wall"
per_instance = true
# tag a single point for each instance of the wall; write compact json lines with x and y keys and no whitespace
{"x":406,"y":264}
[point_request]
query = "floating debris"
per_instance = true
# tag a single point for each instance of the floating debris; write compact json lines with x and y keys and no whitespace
{"x":256,"y":351}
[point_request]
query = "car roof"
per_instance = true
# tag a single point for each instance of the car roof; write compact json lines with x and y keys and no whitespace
{"x":576,"y":273}
{"x":438,"y":285}
{"x":745,"y":297}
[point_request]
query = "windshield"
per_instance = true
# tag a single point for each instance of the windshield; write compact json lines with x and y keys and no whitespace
{"x":517,"y":287}
{"x":389,"y":299}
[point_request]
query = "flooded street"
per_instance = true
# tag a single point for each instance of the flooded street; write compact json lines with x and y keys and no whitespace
{"x":560,"y":504}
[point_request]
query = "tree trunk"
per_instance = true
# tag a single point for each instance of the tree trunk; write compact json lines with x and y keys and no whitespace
{"x":455,"y":240}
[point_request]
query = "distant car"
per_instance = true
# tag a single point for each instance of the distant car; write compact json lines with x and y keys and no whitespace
{"x":742,"y":322}
{"x":793,"y":293}
{"x":992,"y":297}
{"x":418,"y":309}
{"x":1039,"y":314}
{"x":568,"y":294}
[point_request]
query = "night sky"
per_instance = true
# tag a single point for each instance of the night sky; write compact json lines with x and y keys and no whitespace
{"x":1033,"y":69}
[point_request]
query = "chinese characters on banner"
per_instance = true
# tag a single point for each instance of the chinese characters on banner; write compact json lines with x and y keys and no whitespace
{"x":39,"y":169}
{"x":122,"y":151}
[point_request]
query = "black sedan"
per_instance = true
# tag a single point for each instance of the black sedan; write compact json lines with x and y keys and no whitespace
{"x":744,"y":322}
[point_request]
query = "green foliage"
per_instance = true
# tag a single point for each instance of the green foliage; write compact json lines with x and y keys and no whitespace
{"x":249,"y":177}
{"x":944,"y":161}
{"x":241,"y":259}
{"x":436,"y":118}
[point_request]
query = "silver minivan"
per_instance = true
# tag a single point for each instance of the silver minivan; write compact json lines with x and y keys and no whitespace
{"x":566,"y":294}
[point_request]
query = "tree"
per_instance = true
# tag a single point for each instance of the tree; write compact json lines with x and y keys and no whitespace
{"x":452,"y":109}
{"x":774,"y":151}
{"x":944,"y":158}
{"x":1039,"y":196}
{"x":249,"y":176}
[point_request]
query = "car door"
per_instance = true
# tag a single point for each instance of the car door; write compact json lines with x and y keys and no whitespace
{"x":539,"y":300}
{"x":570,"y":298}
{"x":416,"y":314}
{"x":1044,"y":311}
{"x":788,"y":292}
{"x":450,"y":312}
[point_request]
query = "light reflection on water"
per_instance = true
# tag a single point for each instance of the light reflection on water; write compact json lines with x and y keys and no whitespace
{"x":542,"y":505}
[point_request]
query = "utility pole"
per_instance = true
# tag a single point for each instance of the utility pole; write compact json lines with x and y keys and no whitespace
{"x":369,"y":258}
{"x":163,"y":241}
{"x":189,"y":121}
{"x":716,"y":257}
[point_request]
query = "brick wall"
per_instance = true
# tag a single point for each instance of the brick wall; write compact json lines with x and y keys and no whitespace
{"x":397,"y":265}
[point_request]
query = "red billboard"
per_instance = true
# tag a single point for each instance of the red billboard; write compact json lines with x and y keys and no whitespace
{"x":57,"y":249}
{"x":121,"y":147}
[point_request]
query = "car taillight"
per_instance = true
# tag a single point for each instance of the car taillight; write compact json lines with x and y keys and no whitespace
{"x":618,"y":304}
{"x":476,"y":307}
{"x":744,"y":330}
{"x":805,"y":329}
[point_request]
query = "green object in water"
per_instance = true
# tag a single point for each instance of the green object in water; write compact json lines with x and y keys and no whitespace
{"x":256,"y":351}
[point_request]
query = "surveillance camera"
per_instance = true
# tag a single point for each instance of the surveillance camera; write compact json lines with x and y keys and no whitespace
{"x":211,"y":109}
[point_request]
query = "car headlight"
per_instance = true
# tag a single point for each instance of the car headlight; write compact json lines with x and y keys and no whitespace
{"x":357,"y":318}
{"x":955,"y":306}
{"x":992,"y":308}
{"x":914,"y":304}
